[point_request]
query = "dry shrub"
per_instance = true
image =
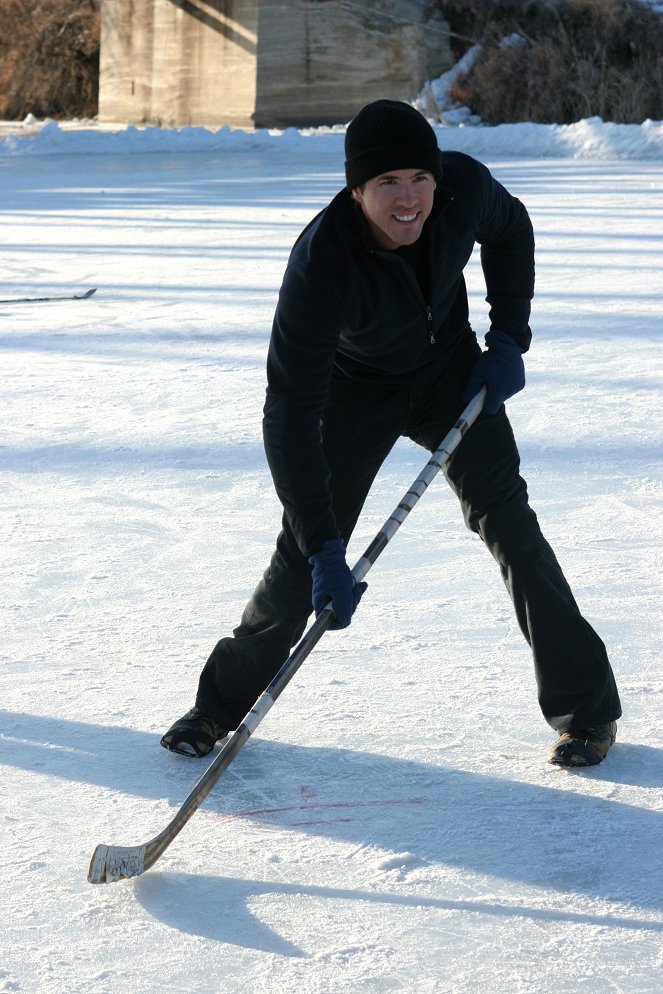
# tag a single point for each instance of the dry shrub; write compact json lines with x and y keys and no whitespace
{"x":49,"y":58}
{"x":573,"y":59}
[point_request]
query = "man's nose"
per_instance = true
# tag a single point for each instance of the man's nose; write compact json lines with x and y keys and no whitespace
{"x":407,"y":195}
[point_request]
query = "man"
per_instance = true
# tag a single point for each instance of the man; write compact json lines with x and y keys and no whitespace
{"x":371,"y":341}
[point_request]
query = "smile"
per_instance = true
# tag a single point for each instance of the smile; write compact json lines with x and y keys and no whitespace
{"x":405,"y":217}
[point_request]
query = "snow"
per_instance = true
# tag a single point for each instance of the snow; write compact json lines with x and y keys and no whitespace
{"x":590,"y":139}
{"x":393,"y":824}
{"x":435,"y":101}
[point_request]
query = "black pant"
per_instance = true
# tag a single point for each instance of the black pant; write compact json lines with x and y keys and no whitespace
{"x":576,"y":686}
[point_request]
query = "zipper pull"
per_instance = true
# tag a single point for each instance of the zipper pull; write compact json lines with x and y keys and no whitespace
{"x":429,"y":316}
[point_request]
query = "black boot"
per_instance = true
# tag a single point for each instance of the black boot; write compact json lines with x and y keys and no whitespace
{"x":585,"y":747}
{"x":195,"y":734}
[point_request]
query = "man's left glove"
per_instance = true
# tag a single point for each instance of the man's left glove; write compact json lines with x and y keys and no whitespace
{"x":333,"y":581}
{"x":501,"y":368}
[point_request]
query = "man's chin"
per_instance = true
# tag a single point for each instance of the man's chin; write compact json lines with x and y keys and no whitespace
{"x":406,"y":236}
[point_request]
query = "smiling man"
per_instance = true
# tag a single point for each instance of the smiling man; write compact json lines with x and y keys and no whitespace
{"x":371,"y":341}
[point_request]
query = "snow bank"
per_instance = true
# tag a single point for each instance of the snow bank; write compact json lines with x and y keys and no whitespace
{"x":588,"y":139}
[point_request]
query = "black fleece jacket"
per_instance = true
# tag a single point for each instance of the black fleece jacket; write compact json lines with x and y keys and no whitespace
{"x":347,"y":308}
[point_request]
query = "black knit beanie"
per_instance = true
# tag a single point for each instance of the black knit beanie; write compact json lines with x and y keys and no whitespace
{"x":389,"y":134}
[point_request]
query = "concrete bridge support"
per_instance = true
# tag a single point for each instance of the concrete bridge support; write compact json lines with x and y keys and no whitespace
{"x":263,"y":63}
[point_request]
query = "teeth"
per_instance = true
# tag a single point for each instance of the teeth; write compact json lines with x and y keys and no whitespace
{"x":405,"y":217}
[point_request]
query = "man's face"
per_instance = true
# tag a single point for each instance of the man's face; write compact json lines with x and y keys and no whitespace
{"x":396,"y":204}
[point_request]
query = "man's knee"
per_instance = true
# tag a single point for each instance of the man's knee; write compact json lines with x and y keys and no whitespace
{"x":512,"y":534}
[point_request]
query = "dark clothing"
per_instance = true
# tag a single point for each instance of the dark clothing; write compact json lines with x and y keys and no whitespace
{"x":362,"y":423}
{"x":369,"y":345}
{"x":347,"y":309}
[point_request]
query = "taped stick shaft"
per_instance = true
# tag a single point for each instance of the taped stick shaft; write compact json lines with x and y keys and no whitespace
{"x":437,"y":461}
{"x":111,"y":863}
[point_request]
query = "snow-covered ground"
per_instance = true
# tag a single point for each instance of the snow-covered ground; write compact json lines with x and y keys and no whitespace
{"x":393,"y":824}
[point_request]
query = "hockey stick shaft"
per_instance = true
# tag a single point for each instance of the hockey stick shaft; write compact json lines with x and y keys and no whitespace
{"x":111,"y":863}
{"x":48,"y":300}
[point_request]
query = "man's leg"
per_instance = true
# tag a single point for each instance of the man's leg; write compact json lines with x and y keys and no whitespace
{"x":361,"y":424}
{"x":240,"y":667}
{"x":576,"y":685}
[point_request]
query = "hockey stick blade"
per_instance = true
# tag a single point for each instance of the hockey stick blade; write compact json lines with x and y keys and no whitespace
{"x":44,"y":300}
{"x":112,"y":863}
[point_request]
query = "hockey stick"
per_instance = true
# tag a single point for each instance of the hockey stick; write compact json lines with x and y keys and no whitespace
{"x":48,"y":300}
{"x":111,"y":863}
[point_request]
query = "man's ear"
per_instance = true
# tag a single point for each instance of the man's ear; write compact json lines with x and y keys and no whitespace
{"x":356,"y":194}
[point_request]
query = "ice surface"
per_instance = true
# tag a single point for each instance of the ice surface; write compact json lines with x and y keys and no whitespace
{"x":392,"y":825}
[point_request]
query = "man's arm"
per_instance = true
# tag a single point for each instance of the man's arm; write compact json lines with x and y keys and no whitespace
{"x":507,"y":257}
{"x":304,"y":338}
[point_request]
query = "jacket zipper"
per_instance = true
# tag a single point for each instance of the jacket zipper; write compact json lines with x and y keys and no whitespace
{"x":413,"y":283}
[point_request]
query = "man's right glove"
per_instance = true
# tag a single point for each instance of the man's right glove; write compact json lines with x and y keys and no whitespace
{"x":333,"y":581}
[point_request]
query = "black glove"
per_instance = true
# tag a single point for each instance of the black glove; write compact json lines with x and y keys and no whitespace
{"x":501,"y":368}
{"x":333,"y":581}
